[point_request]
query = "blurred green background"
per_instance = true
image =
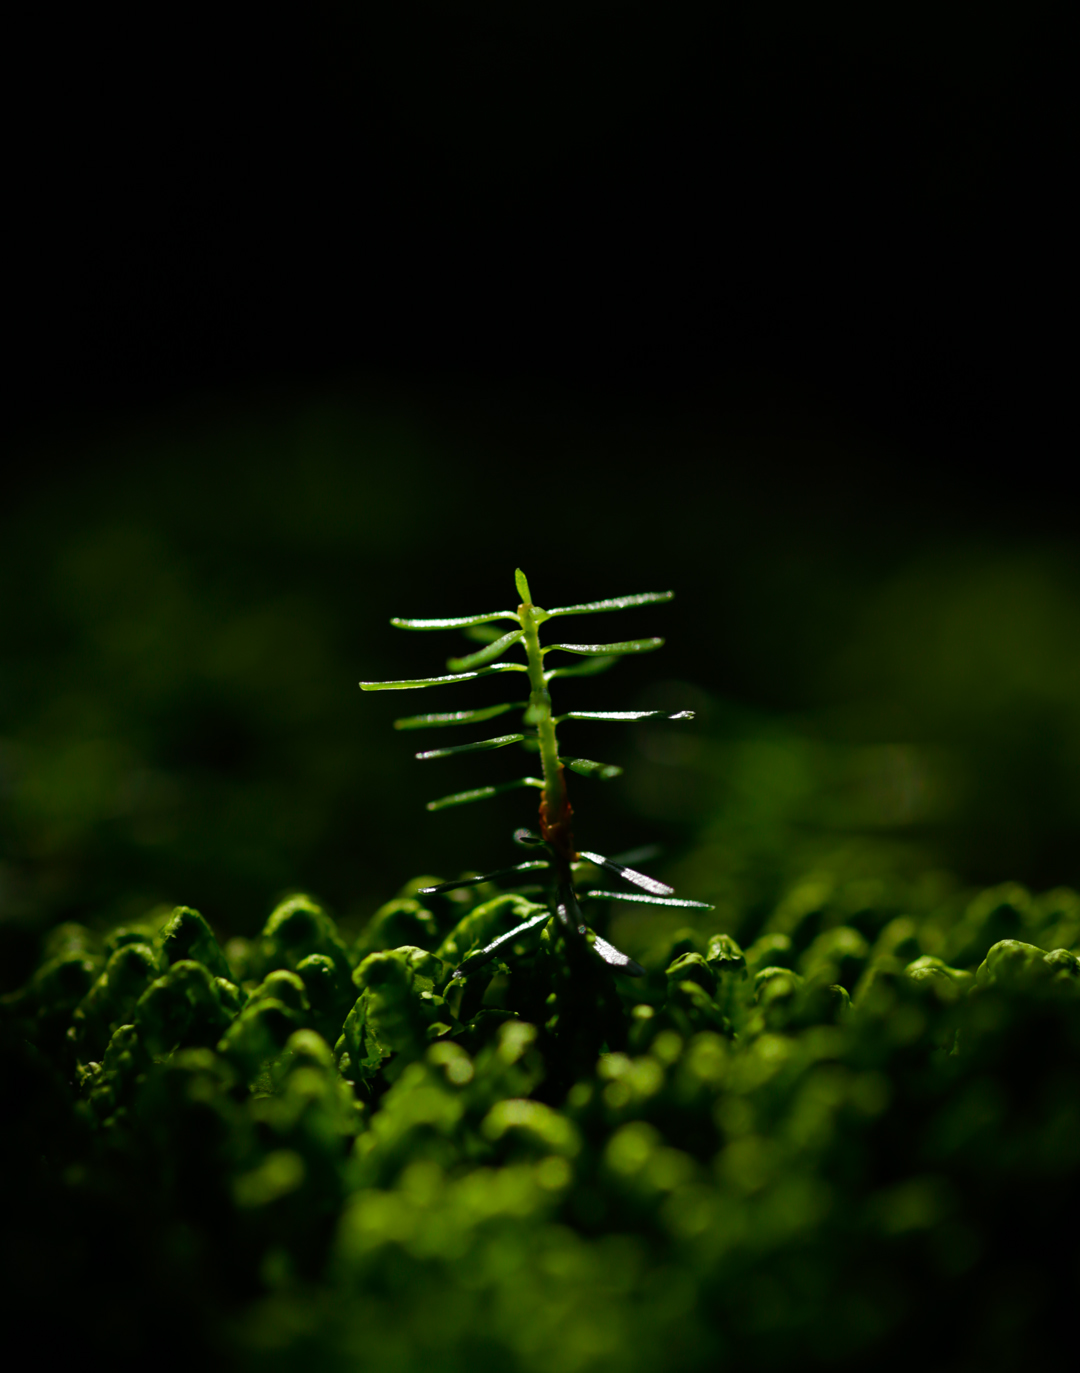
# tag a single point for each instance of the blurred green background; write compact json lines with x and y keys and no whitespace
{"x":886,"y":673}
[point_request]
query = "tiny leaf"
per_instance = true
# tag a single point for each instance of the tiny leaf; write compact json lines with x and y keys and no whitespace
{"x":522,"y":584}
{"x":440,"y":681}
{"x":639,"y":879}
{"x":623,"y":715}
{"x":564,"y":917}
{"x":639,"y":898}
{"x":456,"y":621}
{"x":458,"y":717}
{"x":627,"y":646}
{"x":526,"y":839}
{"x":587,"y":768}
{"x":485,"y":655}
{"x":568,"y":911}
{"x":612,"y":956}
{"x":532,"y":866}
{"x":478,"y":747}
{"x":481,"y":956}
{"x":616,"y":603}
{"x":482,"y":793}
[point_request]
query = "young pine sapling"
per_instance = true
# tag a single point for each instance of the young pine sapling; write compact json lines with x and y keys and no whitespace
{"x":563,"y":865}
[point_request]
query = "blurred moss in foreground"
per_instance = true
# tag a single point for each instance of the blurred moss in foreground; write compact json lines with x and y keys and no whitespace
{"x":846,"y":1143}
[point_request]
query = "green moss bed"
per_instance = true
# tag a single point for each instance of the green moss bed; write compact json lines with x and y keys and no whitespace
{"x":849,"y":1143}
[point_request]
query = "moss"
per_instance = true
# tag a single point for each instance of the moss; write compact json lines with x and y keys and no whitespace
{"x":762,"y":1170}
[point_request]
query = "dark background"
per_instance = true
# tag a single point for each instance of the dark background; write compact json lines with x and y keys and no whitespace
{"x":318,"y":319}
{"x":859,"y":206}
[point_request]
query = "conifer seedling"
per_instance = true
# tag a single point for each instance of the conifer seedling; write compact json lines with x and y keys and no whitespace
{"x":559,"y":864}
